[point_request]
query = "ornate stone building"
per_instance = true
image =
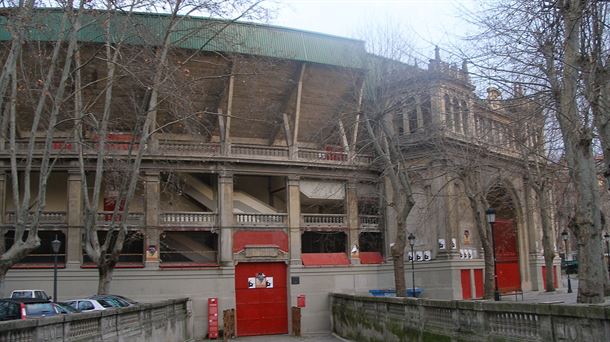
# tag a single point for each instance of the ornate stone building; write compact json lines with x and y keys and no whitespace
{"x":271,"y":178}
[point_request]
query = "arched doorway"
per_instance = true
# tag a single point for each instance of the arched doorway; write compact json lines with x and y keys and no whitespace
{"x":505,"y":239}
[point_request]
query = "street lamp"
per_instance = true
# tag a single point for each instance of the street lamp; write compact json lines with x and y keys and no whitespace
{"x":491,"y":219}
{"x":411,"y":239}
{"x":55,"y":244}
{"x":607,"y":239}
{"x":564,"y":237}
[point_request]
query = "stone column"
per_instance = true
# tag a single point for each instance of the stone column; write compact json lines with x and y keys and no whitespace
{"x":293,"y":195}
{"x":353,"y":223}
{"x":152,"y":192}
{"x":225,"y":215}
{"x":74,"y":248}
{"x":2,"y":197}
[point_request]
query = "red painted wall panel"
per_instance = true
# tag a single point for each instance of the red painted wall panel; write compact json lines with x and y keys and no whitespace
{"x":554,"y":276}
{"x":261,"y":311}
{"x":371,"y":258}
{"x":465,"y":279}
{"x":277,"y":238}
{"x":324,"y":259}
{"x":478,"y":283}
{"x":507,"y":256}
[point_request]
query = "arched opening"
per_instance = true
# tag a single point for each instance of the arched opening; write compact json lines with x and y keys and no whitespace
{"x":505,"y":237}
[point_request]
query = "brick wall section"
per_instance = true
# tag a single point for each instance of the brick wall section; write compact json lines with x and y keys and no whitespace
{"x":364,"y":318}
{"x":164,"y":321}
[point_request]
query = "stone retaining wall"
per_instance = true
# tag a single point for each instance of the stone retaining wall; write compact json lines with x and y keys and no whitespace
{"x":364,"y":318}
{"x":164,"y":321}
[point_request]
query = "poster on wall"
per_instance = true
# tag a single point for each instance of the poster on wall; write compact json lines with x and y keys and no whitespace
{"x":261,"y":281}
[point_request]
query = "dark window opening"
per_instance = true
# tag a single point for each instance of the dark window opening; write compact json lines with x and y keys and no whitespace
{"x":197,"y":247}
{"x":132,"y":251}
{"x":323,"y":242}
{"x":413,"y":121}
{"x":371,"y":242}
{"x":368,"y":206}
{"x":44,"y":253}
{"x":399,"y":123}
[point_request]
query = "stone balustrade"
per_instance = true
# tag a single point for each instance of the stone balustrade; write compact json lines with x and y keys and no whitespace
{"x":365,"y":318}
{"x":322,"y":221}
{"x":370,"y":222}
{"x":261,"y":220}
{"x":104,"y":218}
{"x":165,"y":321}
{"x":187,"y":219}
{"x":192,"y":148}
{"x":46,"y":217}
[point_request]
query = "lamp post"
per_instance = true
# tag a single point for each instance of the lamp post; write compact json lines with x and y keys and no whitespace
{"x":607,"y":239}
{"x":411,"y":239}
{"x":491,"y":219}
{"x":55,"y":244}
{"x":564,"y":237}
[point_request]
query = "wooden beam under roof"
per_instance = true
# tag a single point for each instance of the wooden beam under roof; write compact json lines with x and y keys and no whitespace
{"x":285,"y":103}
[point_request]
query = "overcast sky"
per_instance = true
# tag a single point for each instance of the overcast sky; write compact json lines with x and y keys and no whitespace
{"x":425,"y":22}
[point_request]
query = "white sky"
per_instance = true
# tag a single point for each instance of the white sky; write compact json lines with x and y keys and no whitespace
{"x":424,"y":22}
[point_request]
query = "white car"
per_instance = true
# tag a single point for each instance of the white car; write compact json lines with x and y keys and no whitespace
{"x":87,"y":304}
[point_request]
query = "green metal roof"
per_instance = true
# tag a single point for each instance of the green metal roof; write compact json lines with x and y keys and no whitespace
{"x":205,"y":34}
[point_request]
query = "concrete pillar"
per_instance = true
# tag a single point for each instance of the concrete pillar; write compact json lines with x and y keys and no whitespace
{"x":151,"y":212}
{"x":353,"y":222}
{"x":225,"y":215}
{"x":293,"y":195}
{"x":74,"y":248}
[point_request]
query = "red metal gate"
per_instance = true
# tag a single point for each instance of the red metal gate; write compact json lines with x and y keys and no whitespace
{"x":260,"y":294}
{"x":507,"y":256}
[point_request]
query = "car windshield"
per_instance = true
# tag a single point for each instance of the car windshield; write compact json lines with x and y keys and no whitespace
{"x":22,"y":294}
{"x":105,"y":304}
{"x":39,"y":309}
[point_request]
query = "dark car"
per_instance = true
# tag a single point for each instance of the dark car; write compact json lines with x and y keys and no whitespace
{"x":116,"y":300}
{"x":25,"y":308}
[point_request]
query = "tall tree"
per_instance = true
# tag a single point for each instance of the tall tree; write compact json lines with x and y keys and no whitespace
{"x":559,"y":48}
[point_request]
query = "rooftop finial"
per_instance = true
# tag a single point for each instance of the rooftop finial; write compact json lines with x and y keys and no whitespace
{"x":437,"y":53}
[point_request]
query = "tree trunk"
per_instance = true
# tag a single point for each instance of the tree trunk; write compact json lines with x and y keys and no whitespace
{"x":105,"y":272}
{"x":547,"y":242}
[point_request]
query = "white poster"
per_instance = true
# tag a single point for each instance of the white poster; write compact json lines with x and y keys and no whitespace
{"x":261,"y":281}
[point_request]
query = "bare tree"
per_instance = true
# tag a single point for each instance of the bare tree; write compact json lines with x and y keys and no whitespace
{"x":15,"y":82}
{"x":559,"y":48}
{"x":153,"y":67}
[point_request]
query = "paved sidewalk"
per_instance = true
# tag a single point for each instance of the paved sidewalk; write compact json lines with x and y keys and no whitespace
{"x":559,"y":296}
{"x":287,"y":338}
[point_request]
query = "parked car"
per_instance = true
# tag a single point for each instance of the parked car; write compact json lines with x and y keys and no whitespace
{"x":22,"y":308}
{"x":116,"y":300}
{"x":87,"y":304}
{"x":38,"y":294}
{"x":63,"y":308}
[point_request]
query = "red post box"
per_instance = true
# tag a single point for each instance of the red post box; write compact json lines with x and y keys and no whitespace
{"x":301,"y":301}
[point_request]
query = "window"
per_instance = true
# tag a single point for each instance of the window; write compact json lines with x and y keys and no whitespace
{"x":448,"y":116}
{"x":43,"y":255}
{"x":323,"y":242}
{"x":456,"y":116}
{"x":190,"y":247}
{"x":371,"y":242}
{"x":84,"y":306}
{"x":465,"y":117}
{"x":132,"y":252}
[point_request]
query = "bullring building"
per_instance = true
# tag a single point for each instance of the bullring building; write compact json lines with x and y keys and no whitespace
{"x":259,"y":167}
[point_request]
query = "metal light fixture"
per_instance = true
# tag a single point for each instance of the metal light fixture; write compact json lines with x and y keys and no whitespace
{"x":564,"y":237}
{"x":55,"y":245}
{"x":490,"y":213}
{"x":411,"y":239}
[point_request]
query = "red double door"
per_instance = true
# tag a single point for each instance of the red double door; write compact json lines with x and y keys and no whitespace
{"x":260,"y":295}
{"x":507,"y":256}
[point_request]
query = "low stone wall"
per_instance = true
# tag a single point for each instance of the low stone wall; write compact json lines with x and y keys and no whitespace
{"x":164,"y":321}
{"x":364,"y":318}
